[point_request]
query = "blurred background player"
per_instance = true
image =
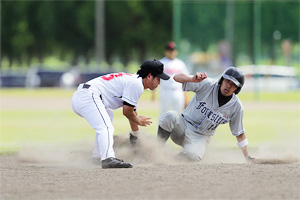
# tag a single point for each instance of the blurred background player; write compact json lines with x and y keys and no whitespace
{"x":171,"y":95}
{"x":224,"y":49}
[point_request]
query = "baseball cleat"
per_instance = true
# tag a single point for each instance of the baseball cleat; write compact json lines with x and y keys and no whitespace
{"x":115,"y":163}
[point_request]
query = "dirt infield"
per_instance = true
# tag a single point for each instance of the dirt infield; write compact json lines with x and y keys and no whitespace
{"x":66,"y":171}
{"x":47,"y":172}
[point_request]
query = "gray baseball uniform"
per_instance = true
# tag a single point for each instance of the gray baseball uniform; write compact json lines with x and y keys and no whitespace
{"x":193,"y":128}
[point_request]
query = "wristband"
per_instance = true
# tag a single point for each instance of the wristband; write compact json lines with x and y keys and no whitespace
{"x":243,"y":143}
{"x":134,"y":133}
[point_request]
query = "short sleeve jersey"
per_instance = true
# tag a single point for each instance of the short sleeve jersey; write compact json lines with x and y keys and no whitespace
{"x":204,"y":113}
{"x":116,"y":88}
{"x":172,"y":67}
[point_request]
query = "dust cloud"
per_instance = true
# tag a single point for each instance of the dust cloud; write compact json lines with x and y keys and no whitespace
{"x":285,"y":152}
{"x":57,"y":154}
{"x":149,"y":151}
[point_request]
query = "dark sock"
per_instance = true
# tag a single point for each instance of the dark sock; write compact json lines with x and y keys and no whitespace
{"x":162,"y":134}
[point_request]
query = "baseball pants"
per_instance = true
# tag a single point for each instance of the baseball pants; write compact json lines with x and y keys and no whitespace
{"x":182,"y":133}
{"x":88,"y":104}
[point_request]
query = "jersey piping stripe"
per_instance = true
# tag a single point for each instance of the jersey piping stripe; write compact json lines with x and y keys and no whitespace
{"x":213,"y":102}
{"x":104,"y":123}
{"x":239,"y":133}
{"x":218,"y":110}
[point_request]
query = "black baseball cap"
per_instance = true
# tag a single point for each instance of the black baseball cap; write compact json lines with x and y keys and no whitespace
{"x":156,"y":68}
{"x":170,"y":46}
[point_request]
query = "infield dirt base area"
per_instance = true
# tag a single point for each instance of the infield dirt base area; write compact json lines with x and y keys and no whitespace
{"x":34,"y":173}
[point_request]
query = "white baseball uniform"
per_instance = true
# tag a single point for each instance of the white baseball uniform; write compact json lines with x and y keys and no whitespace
{"x":95,"y":101}
{"x":171,"y":94}
{"x":194,"y":127}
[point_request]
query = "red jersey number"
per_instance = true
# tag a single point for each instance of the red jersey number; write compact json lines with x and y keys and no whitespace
{"x":108,"y":77}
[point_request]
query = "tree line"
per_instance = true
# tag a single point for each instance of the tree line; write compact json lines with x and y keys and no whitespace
{"x":135,"y":30}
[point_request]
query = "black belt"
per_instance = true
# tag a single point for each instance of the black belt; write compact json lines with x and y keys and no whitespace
{"x":194,"y":125}
{"x":86,"y":86}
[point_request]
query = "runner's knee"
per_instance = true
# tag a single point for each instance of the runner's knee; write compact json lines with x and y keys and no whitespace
{"x":168,"y":120}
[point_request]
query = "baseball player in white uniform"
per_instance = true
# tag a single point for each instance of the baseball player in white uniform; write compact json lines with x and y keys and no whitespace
{"x":96,"y":99}
{"x":215,"y":102}
{"x":171,"y":95}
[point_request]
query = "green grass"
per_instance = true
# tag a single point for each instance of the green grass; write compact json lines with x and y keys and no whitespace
{"x":291,"y":96}
{"x":48,"y":118}
{"x":36,"y":93}
{"x":263,"y":126}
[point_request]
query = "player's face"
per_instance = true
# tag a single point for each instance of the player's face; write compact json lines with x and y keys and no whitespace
{"x":171,"y":54}
{"x":228,"y":87}
{"x":153,"y":82}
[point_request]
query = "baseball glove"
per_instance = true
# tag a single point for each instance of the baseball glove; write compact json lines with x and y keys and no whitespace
{"x":250,"y":159}
{"x":133,"y":139}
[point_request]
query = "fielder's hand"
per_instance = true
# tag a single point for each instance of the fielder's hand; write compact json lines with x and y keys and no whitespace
{"x":144,"y":121}
{"x":198,"y":77}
